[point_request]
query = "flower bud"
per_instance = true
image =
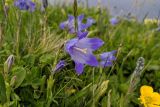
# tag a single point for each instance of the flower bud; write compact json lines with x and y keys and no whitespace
{"x":61,"y":64}
{"x":10,"y":62}
{"x":7,"y":65}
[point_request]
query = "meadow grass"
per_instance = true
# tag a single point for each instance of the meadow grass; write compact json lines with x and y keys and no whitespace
{"x":37,"y":43}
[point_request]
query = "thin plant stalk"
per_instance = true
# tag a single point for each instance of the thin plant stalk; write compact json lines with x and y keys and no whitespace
{"x":93,"y":89}
{"x":75,"y":8}
{"x":1,"y":34}
{"x":18,"y":34}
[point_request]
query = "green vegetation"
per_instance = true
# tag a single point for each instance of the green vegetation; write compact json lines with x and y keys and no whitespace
{"x":37,"y":44}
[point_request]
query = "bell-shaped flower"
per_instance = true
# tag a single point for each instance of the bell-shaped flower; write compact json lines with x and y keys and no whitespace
{"x":25,"y":5}
{"x":81,"y":50}
{"x":107,"y":58}
{"x":61,"y":64}
{"x":45,"y":3}
{"x":81,"y":27}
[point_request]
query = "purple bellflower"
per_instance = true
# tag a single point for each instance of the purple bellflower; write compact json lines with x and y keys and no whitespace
{"x":61,"y":64}
{"x":114,"y":21}
{"x":107,"y":58}
{"x":25,"y":5}
{"x":44,"y":5}
{"x":81,"y":50}
{"x":70,"y":25}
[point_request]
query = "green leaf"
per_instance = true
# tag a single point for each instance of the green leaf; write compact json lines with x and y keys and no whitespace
{"x":32,"y":78}
{"x":43,"y":80}
{"x":20,"y":74}
{"x":98,"y":93}
{"x":71,"y":100}
{"x":36,"y":83}
{"x":29,"y":59}
{"x":3,"y":97}
{"x":101,"y":90}
{"x":50,"y":83}
{"x":46,"y":59}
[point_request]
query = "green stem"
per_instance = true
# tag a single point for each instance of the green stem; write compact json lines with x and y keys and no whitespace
{"x":93,"y":103}
{"x":17,"y":35}
{"x":75,"y":8}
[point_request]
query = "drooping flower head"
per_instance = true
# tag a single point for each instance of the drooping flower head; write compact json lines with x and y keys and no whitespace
{"x":70,"y":25}
{"x":44,"y":5}
{"x":114,"y":20}
{"x":25,"y":5}
{"x":149,"y":98}
{"x":107,"y":58}
{"x":81,"y":50}
{"x":59,"y":66}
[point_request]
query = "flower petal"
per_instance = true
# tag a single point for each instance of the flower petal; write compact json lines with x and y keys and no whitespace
{"x":92,"y":60}
{"x":108,"y":55}
{"x":44,"y":3}
{"x":155,"y":98}
{"x":82,"y":34}
{"x":70,"y":18}
{"x":106,"y":63}
{"x":89,"y":23}
{"x":151,"y":105}
{"x":90,"y":43}
{"x":146,"y":90}
{"x":63,"y":25}
{"x":25,"y":5}
{"x":68,"y":24}
{"x":79,"y":68}
{"x":32,"y":6}
{"x":80,"y":17}
{"x":70,"y":44}
{"x":16,"y":3}
{"x":83,"y":57}
{"x":60,"y":65}
{"x":114,"y":21}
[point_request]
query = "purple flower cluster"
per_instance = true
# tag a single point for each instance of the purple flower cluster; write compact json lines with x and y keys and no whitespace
{"x":70,"y":25}
{"x":25,"y":5}
{"x":81,"y":48}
